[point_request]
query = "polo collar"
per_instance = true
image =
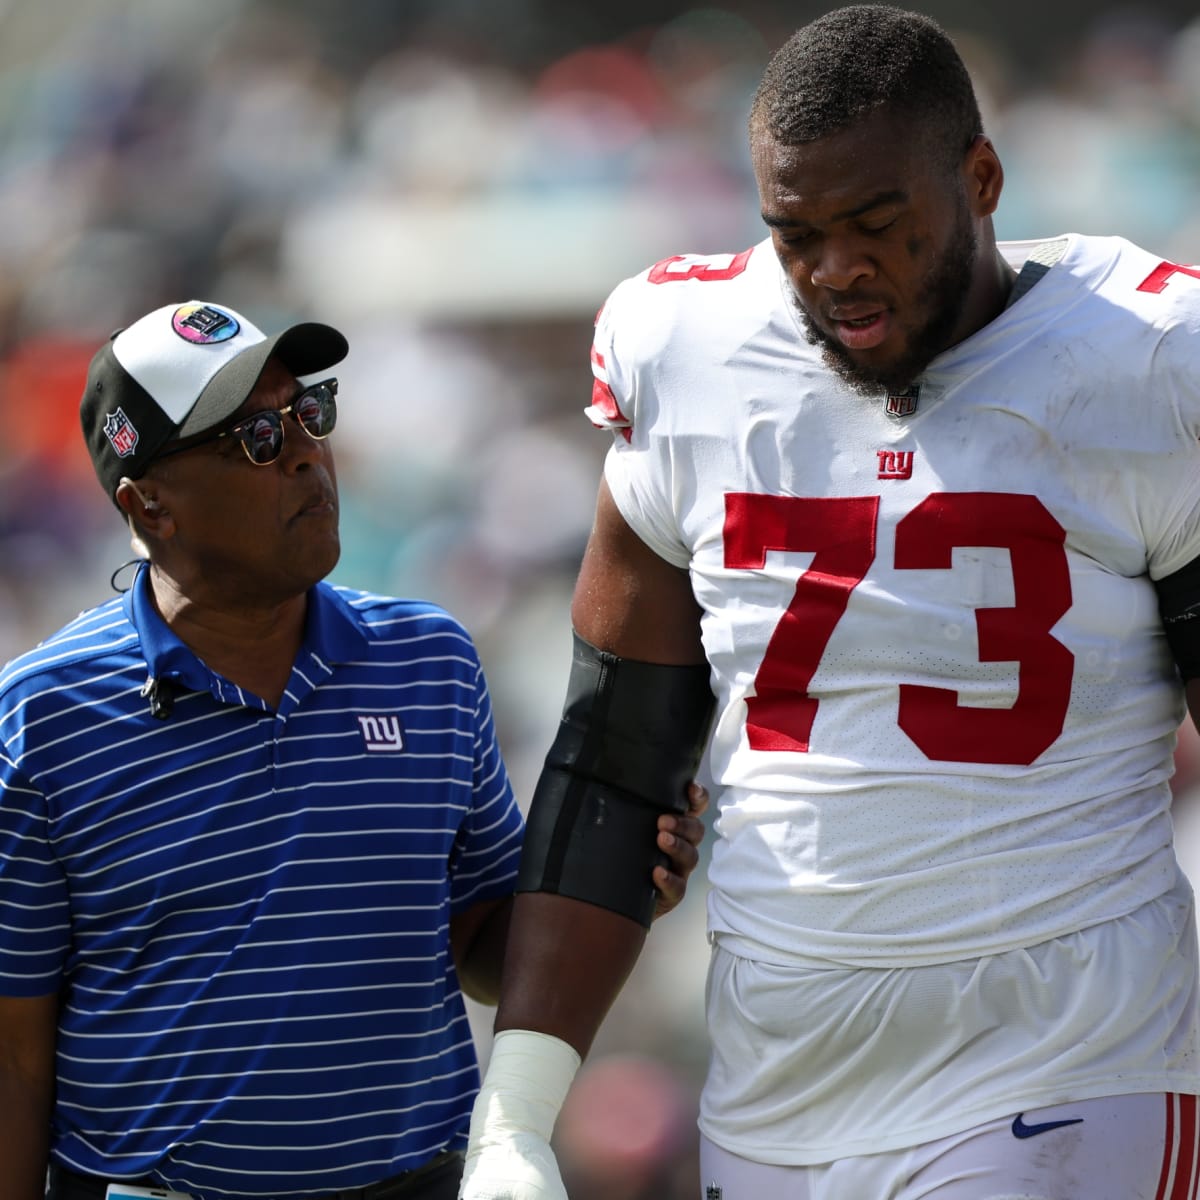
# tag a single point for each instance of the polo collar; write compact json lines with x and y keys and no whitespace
{"x":332,"y":634}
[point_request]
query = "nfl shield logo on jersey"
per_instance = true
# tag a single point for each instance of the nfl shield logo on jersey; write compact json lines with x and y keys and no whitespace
{"x":714,"y":1191}
{"x":903,"y":404}
{"x":119,"y":430}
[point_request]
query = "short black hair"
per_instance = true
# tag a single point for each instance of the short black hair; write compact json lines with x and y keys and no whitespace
{"x":854,"y":62}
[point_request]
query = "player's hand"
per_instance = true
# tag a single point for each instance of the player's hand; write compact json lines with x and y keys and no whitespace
{"x":508,"y":1149}
{"x":679,"y":838}
{"x":522,"y":1168}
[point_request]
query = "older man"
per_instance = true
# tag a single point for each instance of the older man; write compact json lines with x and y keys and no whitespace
{"x":256,"y":836}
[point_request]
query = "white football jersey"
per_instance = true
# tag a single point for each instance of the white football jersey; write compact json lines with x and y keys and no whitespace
{"x":946,"y":708}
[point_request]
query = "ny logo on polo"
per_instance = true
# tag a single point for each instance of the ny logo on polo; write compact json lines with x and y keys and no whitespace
{"x":382,"y":734}
{"x":895,"y":464}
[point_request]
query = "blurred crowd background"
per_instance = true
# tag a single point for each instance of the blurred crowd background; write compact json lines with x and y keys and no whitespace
{"x":457,"y":184}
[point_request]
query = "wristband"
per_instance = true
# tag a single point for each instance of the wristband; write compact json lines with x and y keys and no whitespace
{"x":527,"y":1081}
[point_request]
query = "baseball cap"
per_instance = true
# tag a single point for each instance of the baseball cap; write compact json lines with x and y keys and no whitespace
{"x":182,"y":370}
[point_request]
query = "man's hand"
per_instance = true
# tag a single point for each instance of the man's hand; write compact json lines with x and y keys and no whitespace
{"x":679,"y":837}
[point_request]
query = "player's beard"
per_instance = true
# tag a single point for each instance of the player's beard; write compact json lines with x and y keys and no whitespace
{"x":941,"y":295}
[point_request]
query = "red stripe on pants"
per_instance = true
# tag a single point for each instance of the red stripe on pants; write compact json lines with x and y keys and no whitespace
{"x":1176,"y":1181}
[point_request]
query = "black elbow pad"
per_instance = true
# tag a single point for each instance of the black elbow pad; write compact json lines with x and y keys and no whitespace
{"x":631,"y":737}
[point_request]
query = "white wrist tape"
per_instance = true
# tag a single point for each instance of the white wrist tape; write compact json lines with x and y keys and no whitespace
{"x":526,"y":1083}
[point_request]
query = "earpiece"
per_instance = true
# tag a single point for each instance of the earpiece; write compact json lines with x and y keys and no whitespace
{"x":148,"y":504}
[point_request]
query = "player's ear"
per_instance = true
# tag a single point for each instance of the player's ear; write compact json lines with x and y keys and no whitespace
{"x":984,"y":176}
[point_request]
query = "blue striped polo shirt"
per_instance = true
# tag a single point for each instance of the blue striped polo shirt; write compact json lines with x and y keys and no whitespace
{"x":247,"y":911}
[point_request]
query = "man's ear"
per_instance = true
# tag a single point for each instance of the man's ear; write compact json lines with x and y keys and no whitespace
{"x":132,"y":492}
{"x":145,"y":512}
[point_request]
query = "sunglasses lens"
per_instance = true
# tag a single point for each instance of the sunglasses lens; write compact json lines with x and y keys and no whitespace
{"x":262,"y":436}
{"x":316,"y":410}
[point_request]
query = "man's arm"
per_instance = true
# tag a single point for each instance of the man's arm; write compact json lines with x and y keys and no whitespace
{"x":1192,"y":691}
{"x":27,"y":1037}
{"x":567,"y":959}
{"x":479,"y":934}
{"x":477,"y":939}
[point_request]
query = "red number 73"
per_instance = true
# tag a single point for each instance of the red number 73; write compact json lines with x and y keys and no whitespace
{"x":841,"y":533}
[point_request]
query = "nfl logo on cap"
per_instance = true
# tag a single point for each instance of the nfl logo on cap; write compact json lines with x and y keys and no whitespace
{"x":121,"y":434}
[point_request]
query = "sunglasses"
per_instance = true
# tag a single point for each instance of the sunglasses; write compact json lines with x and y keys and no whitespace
{"x":260,"y":434}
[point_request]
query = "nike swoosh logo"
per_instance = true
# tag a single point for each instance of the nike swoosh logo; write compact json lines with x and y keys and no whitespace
{"x":1021,"y":1130}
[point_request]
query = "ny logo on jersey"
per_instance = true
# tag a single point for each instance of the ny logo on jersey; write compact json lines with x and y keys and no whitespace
{"x":895,"y":464}
{"x":382,"y":734}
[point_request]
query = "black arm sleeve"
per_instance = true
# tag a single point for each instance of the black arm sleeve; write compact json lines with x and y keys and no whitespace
{"x":1179,"y":606}
{"x":630,"y":740}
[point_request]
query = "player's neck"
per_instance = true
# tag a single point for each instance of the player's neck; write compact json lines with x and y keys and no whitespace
{"x":989,"y":293}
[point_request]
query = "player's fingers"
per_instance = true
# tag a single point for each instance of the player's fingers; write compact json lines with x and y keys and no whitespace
{"x":697,"y":798}
{"x":671,"y":890}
